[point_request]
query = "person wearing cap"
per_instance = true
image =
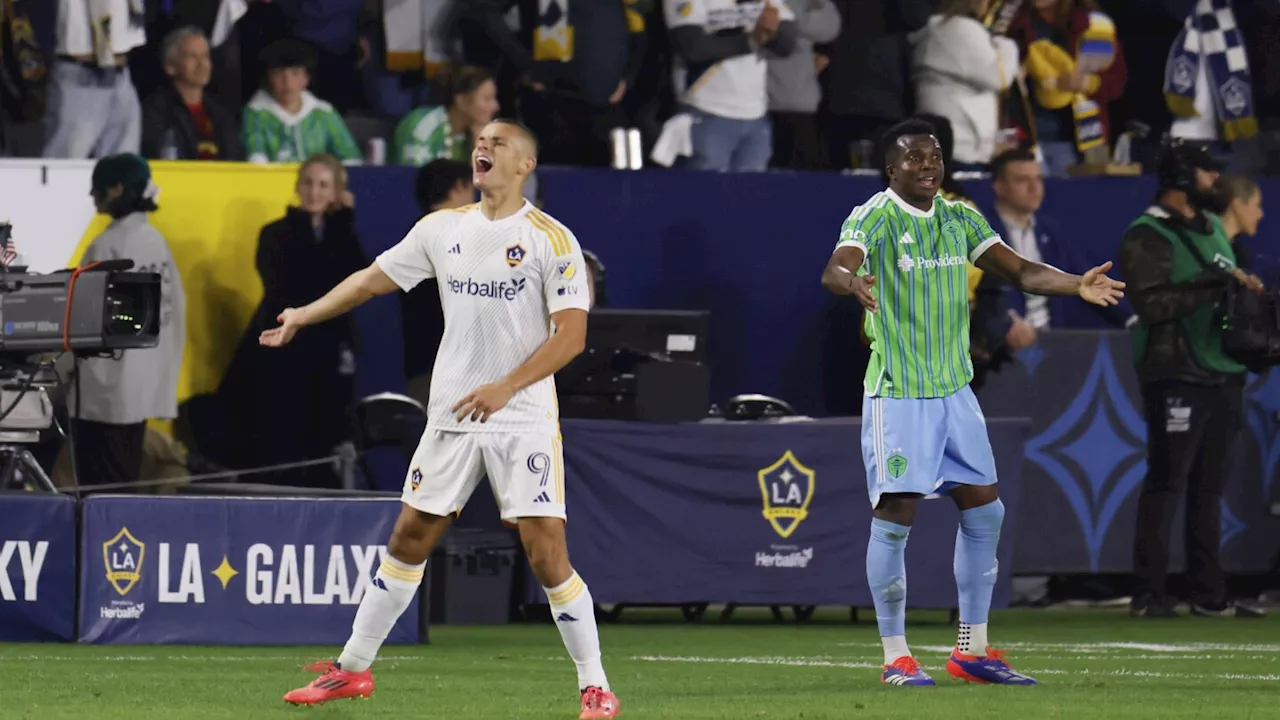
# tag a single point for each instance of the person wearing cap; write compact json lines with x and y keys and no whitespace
{"x":1192,"y":391}
{"x":117,"y":395}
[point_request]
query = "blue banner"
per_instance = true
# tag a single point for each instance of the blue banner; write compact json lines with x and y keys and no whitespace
{"x":37,"y":567}
{"x":735,"y":244}
{"x":1086,"y":458}
{"x":749,"y":513}
{"x":231,"y":571}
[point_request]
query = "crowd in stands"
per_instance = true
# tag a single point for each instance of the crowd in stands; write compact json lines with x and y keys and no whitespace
{"x":1021,"y":89}
{"x":712,"y":84}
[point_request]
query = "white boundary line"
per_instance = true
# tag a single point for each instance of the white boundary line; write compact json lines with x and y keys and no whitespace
{"x":810,"y":662}
{"x":1108,"y":646}
{"x":780,"y":660}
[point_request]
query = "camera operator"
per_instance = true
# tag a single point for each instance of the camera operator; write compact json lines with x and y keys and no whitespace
{"x":118,"y":395}
{"x":1192,"y":391}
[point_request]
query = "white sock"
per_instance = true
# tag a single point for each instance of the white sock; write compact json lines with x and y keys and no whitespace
{"x":385,"y":599}
{"x":972,"y":639}
{"x":895,"y":646}
{"x":575,"y":614}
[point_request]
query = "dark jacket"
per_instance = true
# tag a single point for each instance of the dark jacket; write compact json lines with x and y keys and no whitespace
{"x":608,"y":45}
{"x":1064,"y":312}
{"x":868,"y":75}
{"x":422,"y":321}
{"x":289,"y":403}
{"x":1146,"y":263}
{"x":164,"y":111}
{"x":298,"y":268}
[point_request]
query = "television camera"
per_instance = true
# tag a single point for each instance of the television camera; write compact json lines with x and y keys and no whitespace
{"x":97,"y":309}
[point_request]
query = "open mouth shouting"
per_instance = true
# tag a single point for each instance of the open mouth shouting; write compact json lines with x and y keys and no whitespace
{"x":928,"y":181}
{"x":483,"y":164}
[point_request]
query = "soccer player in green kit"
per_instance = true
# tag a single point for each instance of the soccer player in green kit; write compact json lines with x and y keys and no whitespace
{"x":902,"y":255}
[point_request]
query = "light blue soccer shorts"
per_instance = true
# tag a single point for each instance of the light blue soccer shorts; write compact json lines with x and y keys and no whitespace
{"x":926,"y":445}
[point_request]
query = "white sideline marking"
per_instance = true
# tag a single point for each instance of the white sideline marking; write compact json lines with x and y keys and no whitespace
{"x":819,"y":661}
{"x":1106,"y":646}
{"x":789,"y":661}
{"x":811,"y":662}
{"x":1102,"y":654}
{"x":194,"y":658}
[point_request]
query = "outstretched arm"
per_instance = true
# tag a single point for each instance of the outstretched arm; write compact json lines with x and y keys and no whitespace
{"x":358,"y":288}
{"x":1029,"y":277}
{"x":1040,"y":279}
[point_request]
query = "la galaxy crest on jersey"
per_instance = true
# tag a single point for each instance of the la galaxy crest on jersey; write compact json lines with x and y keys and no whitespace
{"x":516,"y":254}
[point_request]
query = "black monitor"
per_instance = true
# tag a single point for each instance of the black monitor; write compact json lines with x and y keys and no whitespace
{"x":639,"y":365}
{"x":672,"y":334}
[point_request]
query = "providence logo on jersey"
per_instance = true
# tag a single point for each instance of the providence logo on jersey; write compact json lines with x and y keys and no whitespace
{"x":500,"y":289}
{"x":906,"y":263}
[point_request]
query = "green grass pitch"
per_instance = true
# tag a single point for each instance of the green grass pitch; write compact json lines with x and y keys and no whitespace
{"x":1092,"y":664}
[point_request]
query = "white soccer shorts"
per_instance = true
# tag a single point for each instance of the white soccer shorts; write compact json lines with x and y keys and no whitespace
{"x":525,"y":470}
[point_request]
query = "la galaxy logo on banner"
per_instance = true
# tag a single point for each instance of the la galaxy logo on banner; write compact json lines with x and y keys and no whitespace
{"x":787,"y":489}
{"x":266,"y":575}
{"x":123,"y":556}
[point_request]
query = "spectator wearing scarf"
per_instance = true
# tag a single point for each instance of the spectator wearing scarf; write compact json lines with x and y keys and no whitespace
{"x":1207,"y":84}
{"x":1075,"y":67}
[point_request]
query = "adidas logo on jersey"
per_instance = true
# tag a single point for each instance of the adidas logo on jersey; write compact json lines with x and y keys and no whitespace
{"x":542,"y":497}
{"x":456,"y":249}
{"x":499,"y":289}
{"x":906,"y":239}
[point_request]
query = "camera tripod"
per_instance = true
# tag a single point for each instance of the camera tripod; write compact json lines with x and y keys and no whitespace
{"x":19,"y":470}
{"x":28,"y":412}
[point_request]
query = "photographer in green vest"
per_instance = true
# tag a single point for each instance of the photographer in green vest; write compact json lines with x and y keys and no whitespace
{"x":1177,"y":260}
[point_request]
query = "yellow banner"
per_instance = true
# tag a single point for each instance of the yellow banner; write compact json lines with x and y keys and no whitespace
{"x":211,"y":214}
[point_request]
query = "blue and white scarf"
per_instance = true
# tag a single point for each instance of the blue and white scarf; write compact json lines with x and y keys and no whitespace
{"x":1211,"y":34}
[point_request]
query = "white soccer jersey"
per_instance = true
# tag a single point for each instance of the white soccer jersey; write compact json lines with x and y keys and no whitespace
{"x":734,"y":87}
{"x":500,"y":282}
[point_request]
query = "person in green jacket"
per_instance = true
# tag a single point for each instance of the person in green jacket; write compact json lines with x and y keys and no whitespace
{"x":285,"y":123}
{"x":1177,"y":260}
{"x":447,"y":131}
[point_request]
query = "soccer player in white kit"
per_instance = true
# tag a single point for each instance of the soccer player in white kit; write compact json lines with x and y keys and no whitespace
{"x":513,"y":287}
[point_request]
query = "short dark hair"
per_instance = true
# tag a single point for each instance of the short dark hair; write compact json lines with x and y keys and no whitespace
{"x":462,"y":80}
{"x":287,"y":53}
{"x":906,"y":128}
{"x":529,"y":135}
{"x":437,"y":179}
{"x":1228,"y":188}
{"x":1002,"y":161}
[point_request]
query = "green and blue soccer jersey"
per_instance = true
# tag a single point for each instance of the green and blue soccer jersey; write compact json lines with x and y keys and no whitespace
{"x":274,"y":135}
{"x":920,"y":336}
{"x":425,"y":135}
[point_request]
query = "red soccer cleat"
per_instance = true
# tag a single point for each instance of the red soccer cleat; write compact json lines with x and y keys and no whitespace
{"x":319,"y":666}
{"x":597,"y":703}
{"x":337,"y":684}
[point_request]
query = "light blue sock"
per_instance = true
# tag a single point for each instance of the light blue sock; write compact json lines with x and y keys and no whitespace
{"x":887,"y":575}
{"x":975,"y":564}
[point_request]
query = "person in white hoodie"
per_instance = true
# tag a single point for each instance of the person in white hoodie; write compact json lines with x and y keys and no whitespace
{"x":959,"y":70}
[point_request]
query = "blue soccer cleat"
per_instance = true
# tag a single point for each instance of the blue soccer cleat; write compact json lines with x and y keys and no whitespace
{"x":905,"y":671}
{"x":989,"y":670}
